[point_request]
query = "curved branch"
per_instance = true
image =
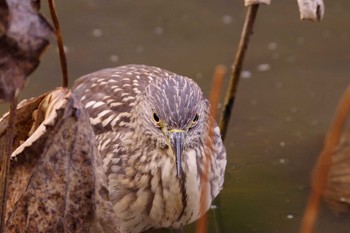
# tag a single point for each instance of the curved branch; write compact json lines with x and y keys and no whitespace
{"x":63,"y":59}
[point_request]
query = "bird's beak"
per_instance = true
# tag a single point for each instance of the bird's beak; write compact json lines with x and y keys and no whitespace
{"x":176,"y":138}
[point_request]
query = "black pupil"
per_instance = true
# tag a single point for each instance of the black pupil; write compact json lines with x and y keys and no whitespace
{"x":155,"y":117}
{"x":195,"y":119}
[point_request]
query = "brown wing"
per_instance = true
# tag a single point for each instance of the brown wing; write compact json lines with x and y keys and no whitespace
{"x":110,"y":94}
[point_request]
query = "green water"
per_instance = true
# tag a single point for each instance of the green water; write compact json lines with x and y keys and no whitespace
{"x":281,"y":114}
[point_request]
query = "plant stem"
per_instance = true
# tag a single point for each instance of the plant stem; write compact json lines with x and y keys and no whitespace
{"x":63,"y":59}
{"x":237,"y":68}
{"x":218,"y":78}
{"x":321,"y":169}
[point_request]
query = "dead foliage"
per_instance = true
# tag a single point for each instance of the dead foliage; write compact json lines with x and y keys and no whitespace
{"x":56,"y":180}
{"x":24,"y":35}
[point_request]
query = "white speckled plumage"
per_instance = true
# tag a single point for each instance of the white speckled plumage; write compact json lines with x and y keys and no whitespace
{"x":139,"y":164}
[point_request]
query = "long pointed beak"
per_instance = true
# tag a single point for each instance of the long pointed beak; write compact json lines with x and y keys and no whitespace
{"x":176,"y":140}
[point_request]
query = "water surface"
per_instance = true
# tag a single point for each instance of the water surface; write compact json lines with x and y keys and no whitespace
{"x":294,"y":75}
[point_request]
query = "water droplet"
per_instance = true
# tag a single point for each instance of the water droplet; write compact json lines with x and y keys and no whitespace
{"x":283,"y":161}
{"x":97,"y":32}
{"x":139,"y":49}
{"x":213,"y":207}
{"x":272,"y":46}
{"x":227,"y":19}
{"x":246,"y":74}
{"x":158,"y":30}
{"x":263,"y":67}
{"x":290,"y":216}
{"x":114,"y":58}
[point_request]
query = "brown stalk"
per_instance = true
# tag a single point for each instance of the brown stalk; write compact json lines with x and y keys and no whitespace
{"x":63,"y":59}
{"x":321,"y":169}
{"x":5,"y":162}
{"x":220,"y":71}
{"x":247,"y":31}
{"x":218,"y":78}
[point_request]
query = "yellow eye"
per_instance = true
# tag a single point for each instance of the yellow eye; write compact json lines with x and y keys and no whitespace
{"x":194,"y":121}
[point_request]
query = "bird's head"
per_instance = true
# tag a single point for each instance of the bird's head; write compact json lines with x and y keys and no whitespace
{"x":174,"y":114}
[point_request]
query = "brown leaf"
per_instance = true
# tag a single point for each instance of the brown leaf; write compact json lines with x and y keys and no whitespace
{"x":24,"y":35}
{"x":337,"y":191}
{"x":56,"y":180}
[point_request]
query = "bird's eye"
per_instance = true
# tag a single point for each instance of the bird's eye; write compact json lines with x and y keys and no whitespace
{"x":194,"y":120}
{"x":156,"y":119}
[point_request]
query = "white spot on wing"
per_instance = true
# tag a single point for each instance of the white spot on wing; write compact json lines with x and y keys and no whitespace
{"x":103,"y":113}
{"x":89,"y":104}
{"x":98,"y":104}
{"x":115,"y":104}
{"x":95,"y":121}
{"x":120,"y":115}
{"x":106,"y":121}
{"x":128,"y":98}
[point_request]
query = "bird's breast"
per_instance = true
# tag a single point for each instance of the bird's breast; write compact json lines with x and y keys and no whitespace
{"x":161,"y":199}
{"x":178,"y":200}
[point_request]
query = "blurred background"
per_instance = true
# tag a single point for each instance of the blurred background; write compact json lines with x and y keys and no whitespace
{"x":293,"y":76}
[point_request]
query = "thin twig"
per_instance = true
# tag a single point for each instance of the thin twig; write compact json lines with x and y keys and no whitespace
{"x":63,"y":59}
{"x":218,"y":78}
{"x":321,"y":169}
{"x":5,"y":161}
{"x":237,"y":67}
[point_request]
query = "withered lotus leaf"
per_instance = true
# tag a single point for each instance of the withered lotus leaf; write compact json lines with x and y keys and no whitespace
{"x":56,"y":181}
{"x":24,"y":34}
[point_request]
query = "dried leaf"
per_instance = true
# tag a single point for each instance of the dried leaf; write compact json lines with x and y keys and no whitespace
{"x":24,"y":35}
{"x":252,"y":2}
{"x":311,"y":9}
{"x":337,"y":191}
{"x":56,"y":179}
